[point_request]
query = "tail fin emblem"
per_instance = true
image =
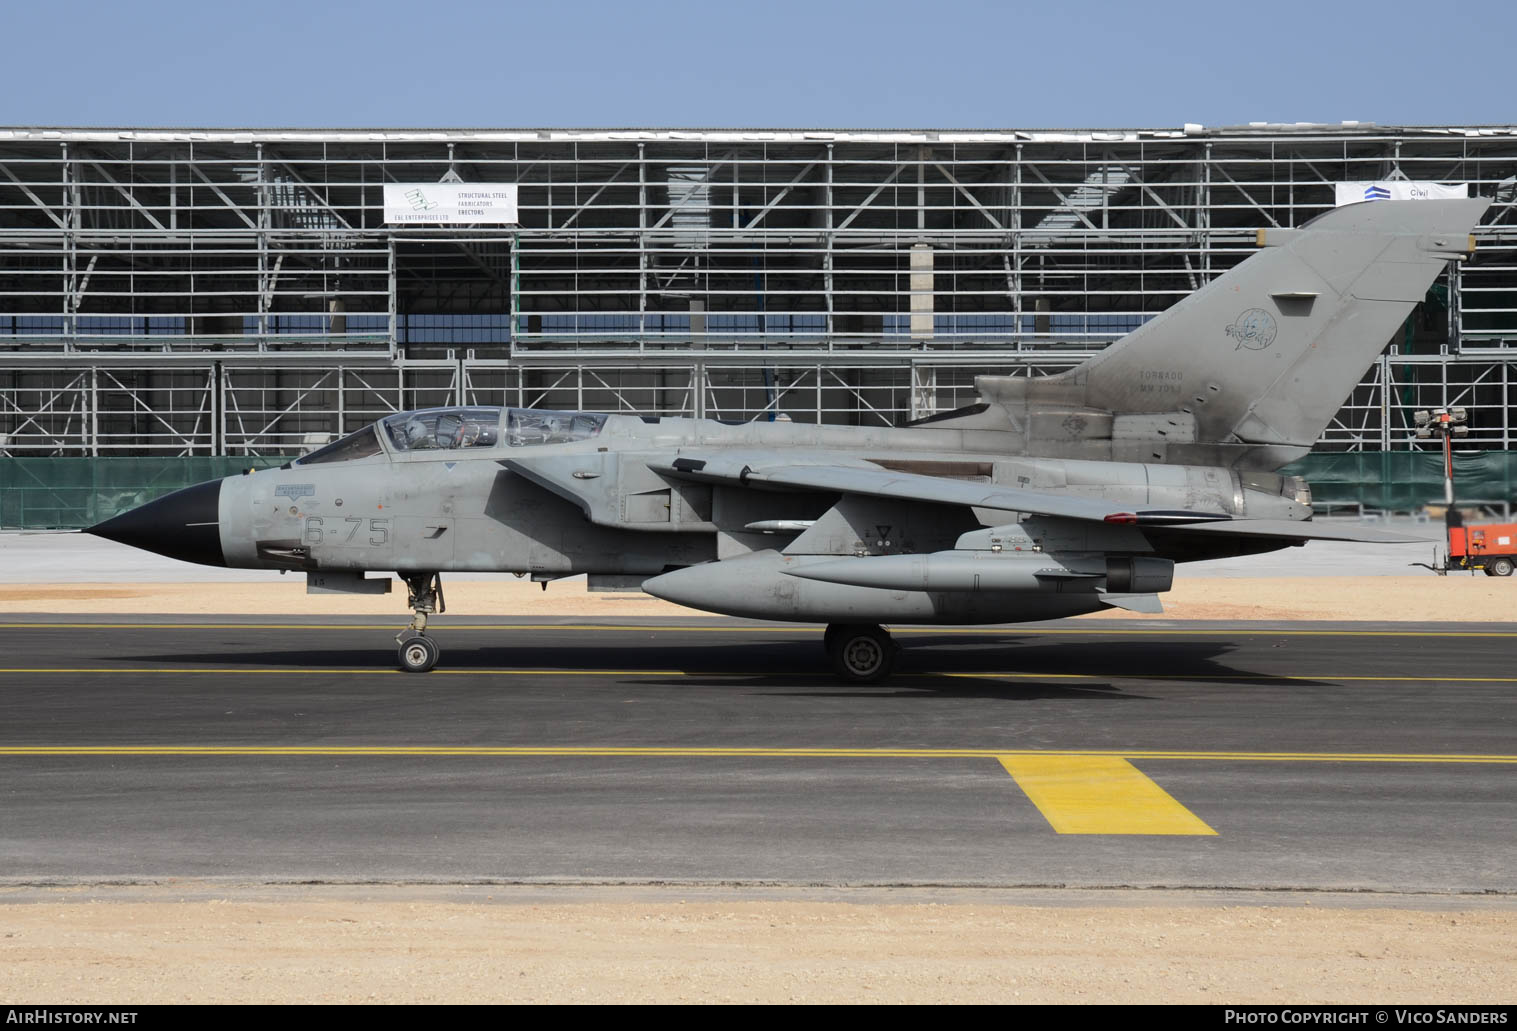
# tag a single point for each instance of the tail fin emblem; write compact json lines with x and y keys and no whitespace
{"x":1255,"y":329}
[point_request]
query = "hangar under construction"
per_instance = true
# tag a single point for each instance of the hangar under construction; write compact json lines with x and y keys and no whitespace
{"x":200,"y":293}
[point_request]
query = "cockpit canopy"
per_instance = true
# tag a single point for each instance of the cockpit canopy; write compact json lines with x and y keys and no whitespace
{"x":354,"y":446}
{"x":448,"y":429}
{"x":443,"y":429}
{"x":539,"y":426}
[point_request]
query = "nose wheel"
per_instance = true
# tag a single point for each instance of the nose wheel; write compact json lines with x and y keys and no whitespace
{"x":861,"y":653}
{"x":418,"y":653}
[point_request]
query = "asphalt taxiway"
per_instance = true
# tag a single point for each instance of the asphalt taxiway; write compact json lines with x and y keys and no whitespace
{"x":1302,"y":755}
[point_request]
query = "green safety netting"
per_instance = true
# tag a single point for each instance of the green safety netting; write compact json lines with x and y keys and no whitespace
{"x":43,"y":493}
{"x":52,"y":493}
{"x":1406,"y":480}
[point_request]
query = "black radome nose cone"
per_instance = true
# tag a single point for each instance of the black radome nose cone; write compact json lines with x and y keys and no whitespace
{"x":183,"y":525}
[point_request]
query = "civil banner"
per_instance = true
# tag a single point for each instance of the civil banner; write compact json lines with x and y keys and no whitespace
{"x":450,"y":204}
{"x":1397,"y":189}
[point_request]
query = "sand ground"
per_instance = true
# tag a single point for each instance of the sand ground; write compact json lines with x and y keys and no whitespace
{"x":679,"y":945}
{"x":1413,"y":597}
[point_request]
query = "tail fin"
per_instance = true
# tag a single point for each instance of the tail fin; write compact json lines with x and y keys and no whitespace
{"x":1264,"y":355}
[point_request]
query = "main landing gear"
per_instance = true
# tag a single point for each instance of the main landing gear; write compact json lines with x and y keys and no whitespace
{"x":418,"y":652}
{"x":861,"y":653}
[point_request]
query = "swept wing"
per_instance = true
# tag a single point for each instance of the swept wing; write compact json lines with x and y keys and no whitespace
{"x":784,"y":471}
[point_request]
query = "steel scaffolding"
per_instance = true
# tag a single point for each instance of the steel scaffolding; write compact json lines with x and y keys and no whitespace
{"x":182,"y":292}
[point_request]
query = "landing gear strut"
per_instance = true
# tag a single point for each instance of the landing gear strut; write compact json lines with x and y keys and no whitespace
{"x":418,"y":652}
{"x":861,"y":653}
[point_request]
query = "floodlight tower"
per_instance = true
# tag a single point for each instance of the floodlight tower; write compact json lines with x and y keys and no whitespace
{"x":1448,"y":423}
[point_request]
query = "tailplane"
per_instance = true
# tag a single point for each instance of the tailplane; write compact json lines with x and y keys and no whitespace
{"x":1258,"y":361}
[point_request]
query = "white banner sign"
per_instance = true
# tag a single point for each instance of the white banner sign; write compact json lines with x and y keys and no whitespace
{"x":450,"y":204}
{"x":1397,"y":189}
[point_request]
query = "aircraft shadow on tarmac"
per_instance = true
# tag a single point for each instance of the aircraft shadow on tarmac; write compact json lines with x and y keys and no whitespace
{"x":1152,"y":660}
{"x":927,"y":666}
{"x":904,"y":685}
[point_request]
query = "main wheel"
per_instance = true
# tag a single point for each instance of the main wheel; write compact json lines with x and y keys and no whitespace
{"x":419,"y":654}
{"x":860,"y":653}
{"x":1499,"y":567}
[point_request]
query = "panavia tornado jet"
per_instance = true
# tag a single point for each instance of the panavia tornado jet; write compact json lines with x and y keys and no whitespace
{"x":1048,"y":498}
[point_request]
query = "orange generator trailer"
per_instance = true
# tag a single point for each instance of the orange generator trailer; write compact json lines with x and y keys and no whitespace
{"x":1488,"y":546}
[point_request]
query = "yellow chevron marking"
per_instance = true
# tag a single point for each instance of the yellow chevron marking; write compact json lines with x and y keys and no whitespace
{"x":1097,"y":794}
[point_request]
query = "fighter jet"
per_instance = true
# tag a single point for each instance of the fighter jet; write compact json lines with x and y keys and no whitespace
{"x":1047,"y":498}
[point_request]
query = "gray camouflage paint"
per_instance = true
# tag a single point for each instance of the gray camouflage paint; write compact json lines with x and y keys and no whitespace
{"x":1190,"y":412}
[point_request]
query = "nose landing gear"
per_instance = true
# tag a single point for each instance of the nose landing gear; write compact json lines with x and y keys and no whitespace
{"x":418,"y":653}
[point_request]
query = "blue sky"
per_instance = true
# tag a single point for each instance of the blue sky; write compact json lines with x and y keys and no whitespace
{"x":949,"y":63}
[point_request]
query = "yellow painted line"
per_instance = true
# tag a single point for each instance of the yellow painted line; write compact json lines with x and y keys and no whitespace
{"x":1097,"y":794}
{"x":1176,"y":631}
{"x":685,"y":752}
{"x":309,"y":671}
{"x":1078,"y":792}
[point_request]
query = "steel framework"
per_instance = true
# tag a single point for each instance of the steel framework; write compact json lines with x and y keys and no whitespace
{"x":237,"y":292}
